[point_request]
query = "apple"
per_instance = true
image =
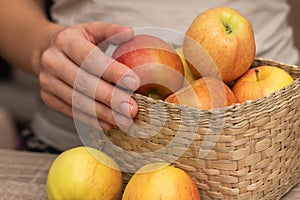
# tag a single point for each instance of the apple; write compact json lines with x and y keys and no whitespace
{"x":155,"y":62}
{"x":260,"y":81}
{"x":189,"y":76}
{"x":220,"y":43}
{"x":204,"y":93}
{"x":160,"y":181}
{"x":84,"y":173}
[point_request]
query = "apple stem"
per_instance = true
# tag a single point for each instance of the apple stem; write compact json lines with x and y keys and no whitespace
{"x":154,"y":95}
{"x":257,"y":74}
{"x":227,"y":28}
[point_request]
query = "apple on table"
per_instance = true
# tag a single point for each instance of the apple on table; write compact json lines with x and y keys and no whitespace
{"x":161,"y":181}
{"x":84,"y":173}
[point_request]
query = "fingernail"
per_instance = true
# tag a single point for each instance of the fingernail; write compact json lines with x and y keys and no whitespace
{"x":126,"y":109}
{"x":130,"y":83}
{"x":122,"y":120}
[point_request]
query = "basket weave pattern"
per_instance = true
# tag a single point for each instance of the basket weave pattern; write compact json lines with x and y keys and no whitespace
{"x":250,"y":151}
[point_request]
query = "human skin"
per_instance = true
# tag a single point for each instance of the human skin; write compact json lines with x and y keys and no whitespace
{"x":55,"y":55}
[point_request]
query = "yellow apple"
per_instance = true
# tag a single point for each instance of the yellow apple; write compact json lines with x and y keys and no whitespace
{"x":160,"y":181}
{"x":189,"y":76}
{"x":220,"y":43}
{"x":260,"y":81}
{"x":84,"y":173}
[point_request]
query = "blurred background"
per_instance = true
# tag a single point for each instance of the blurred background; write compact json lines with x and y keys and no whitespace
{"x":19,"y":91}
{"x":295,"y":20}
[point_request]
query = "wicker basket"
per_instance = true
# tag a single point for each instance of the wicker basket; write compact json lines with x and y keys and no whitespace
{"x":245,"y":151}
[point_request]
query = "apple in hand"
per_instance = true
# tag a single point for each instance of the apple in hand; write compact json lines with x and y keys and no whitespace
{"x":204,"y":93}
{"x":160,"y":181}
{"x":155,"y":62}
{"x":84,"y":173}
{"x":260,"y":81}
{"x":189,"y":76}
{"x":220,"y":43}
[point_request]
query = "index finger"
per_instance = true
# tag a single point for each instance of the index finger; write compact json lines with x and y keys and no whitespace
{"x":99,"y":64}
{"x":86,"y":54}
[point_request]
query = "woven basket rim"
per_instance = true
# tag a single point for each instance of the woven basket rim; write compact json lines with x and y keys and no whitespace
{"x":260,"y":59}
{"x":236,"y":106}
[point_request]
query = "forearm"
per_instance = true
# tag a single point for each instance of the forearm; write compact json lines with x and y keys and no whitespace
{"x":25,"y":33}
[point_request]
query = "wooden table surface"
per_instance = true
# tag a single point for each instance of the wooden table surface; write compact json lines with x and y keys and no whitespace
{"x":23,"y":176}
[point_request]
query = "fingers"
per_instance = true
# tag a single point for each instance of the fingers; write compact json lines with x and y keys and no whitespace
{"x":101,"y":65}
{"x":86,"y":83}
{"x":85,"y":54}
{"x":73,"y":103}
{"x":78,"y":79}
{"x":58,"y":104}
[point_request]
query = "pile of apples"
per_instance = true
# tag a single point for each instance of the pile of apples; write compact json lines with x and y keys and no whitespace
{"x":210,"y":70}
{"x":89,"y":174}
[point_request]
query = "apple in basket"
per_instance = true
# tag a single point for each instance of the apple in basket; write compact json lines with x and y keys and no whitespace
{"x":260,"y":81}
{"x":204,"y":93}
{"x":220,"y":43}
{"x":156,"y":63}
{"x":84,"y":173}
{"x":160,"y":181}
{"x":189,"y":76}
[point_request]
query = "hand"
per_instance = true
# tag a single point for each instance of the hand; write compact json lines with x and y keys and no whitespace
{"x":79,"y":80}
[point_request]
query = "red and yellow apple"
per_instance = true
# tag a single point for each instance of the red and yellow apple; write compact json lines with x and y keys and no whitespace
{"x":84,"y":173}
{"x":204,"y":93}
{"x":260,"y":81}
{"x":159,"y":181}
{"x":189,"y":76}
{"x":155,"y":62}
{"x":220,"y":43}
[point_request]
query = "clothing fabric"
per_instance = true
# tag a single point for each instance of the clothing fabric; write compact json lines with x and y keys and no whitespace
{"x":30,"y":142}
{"x":273,"y":38}
{"x":273,"y":34}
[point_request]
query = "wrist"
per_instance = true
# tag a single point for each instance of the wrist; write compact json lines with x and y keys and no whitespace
{"x":47,"y":35}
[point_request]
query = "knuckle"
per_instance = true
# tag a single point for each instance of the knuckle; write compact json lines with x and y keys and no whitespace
{"x":46,"y":58}
{"x":66,"y":36}
{"x":46,"y":97}
{"x":61,"y":37}
{"x":42,"y":79}
{"x":91,"y":120}
{"x":105,"y":126}
{"x":49,"y":83}
{"x":104,"y":114}
{"x":82,"y":84}
{"x":77,"y":101}
{"x":107,"y":99}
